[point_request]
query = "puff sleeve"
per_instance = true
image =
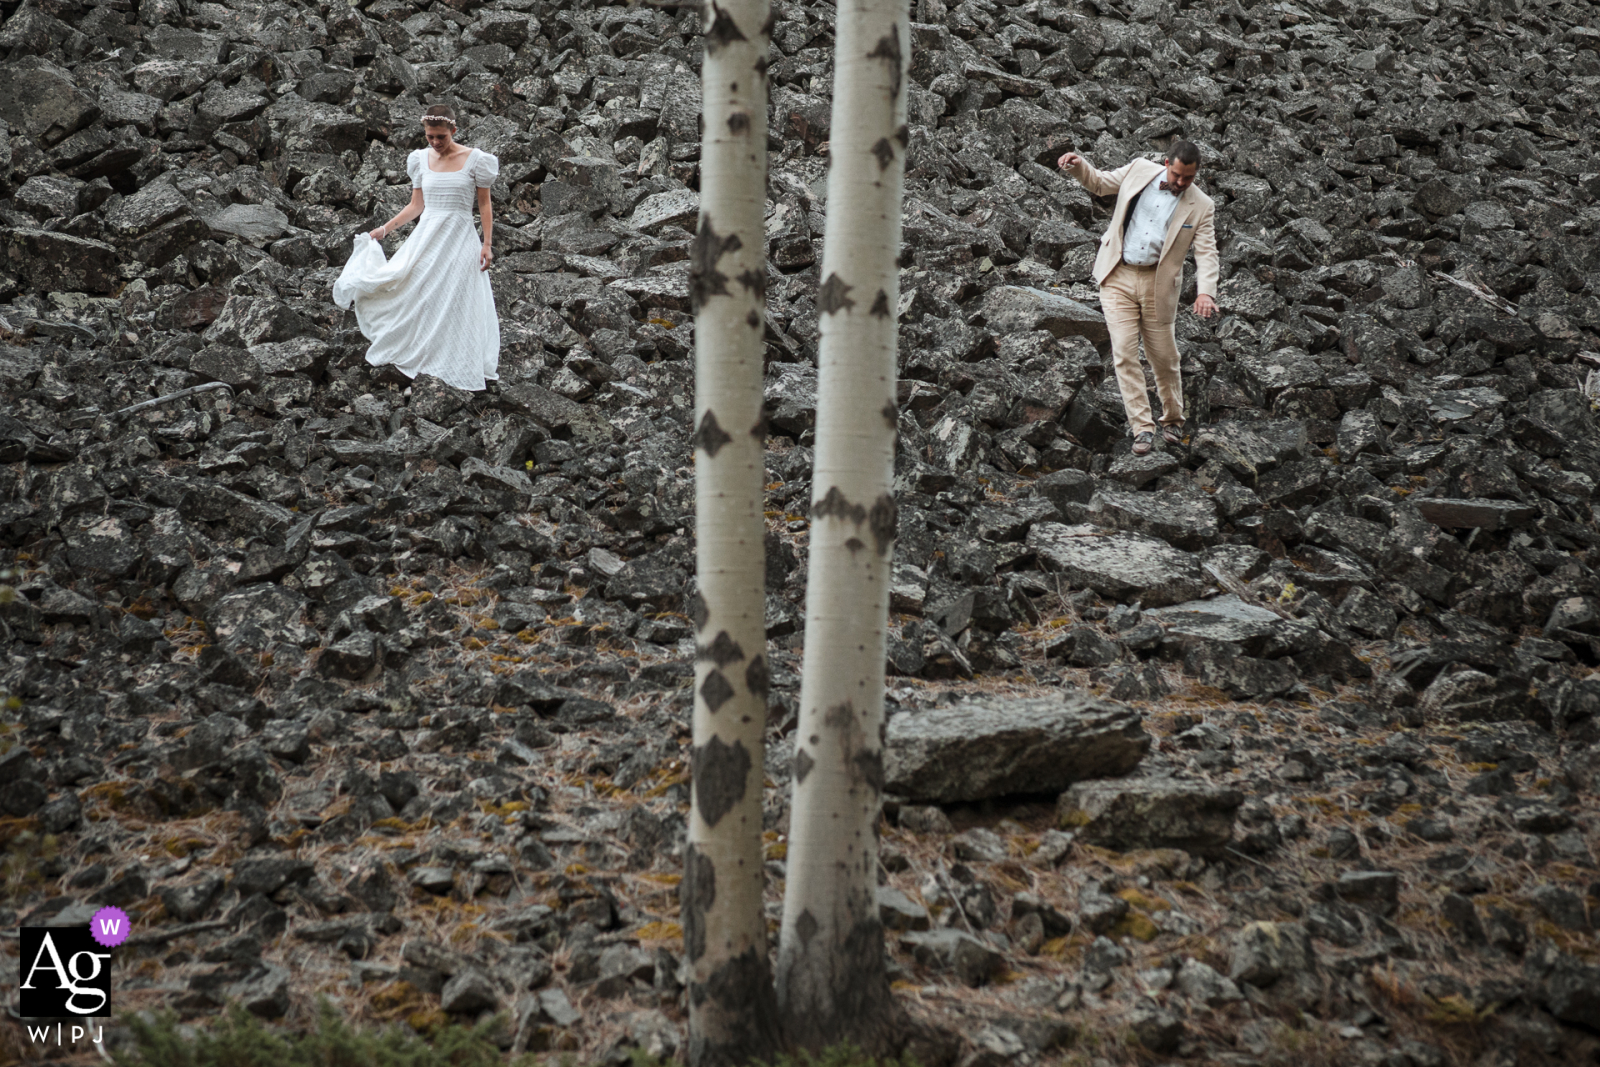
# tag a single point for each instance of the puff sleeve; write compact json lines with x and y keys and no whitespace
{"x":485,"y":169}
{"x":414,"y":167}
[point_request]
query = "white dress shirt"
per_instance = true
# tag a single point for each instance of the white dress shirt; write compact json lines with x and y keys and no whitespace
{"x":1147,"y":229}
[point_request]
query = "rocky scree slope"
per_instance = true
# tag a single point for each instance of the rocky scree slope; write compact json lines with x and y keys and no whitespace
{"x":347,"y":688}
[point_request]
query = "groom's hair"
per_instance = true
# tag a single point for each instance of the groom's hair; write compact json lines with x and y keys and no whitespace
{"x":446,"y":115}
{"x":1185,"y":152}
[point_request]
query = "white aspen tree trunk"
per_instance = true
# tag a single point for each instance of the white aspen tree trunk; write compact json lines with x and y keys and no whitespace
{"x":832,"y":975}
{"x":732,"y":1004}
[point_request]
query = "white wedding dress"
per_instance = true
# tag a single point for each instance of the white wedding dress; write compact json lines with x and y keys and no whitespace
{"x":430,"y":309}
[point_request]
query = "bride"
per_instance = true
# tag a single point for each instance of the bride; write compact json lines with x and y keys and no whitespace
{"x":430,"y":309}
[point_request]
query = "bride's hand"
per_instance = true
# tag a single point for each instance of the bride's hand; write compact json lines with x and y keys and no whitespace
{"x":485,"y":258}
{"x":378,"y":234}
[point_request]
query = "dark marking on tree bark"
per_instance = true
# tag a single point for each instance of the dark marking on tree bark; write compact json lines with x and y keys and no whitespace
{"x":869,"y":768}
{"x":884,"y":152}
{"x":882,"y":521}
{"x":699,"y":614}
{"x":752,"y":319}
{"x":755,"y":282}
{"x":888,"y":48}
{"x":756,"y":678}
{"x":891,"y":414}
{"x":738,"y":123}
{"x":802,"y":764}
{"x":840,"y":717}
{"x":722,"y":651}
{"x":834,"y":504}
{"x":806,"y":927}
{"x":834,"y":295}
{"x":771,"y":24}
{"x":716,"y":691}
{"x":710,"y":435}
{"x":705,"y":280}
{"x":699,"y":893}
{"x":759,"y":430}
{"x":739,"y":1013}
{"x":761,"y":66}
{"x":903,"y":135}
{"x":720,"y":772}
{"x":855,"y":544}
{"x":880,"y":305}
{"x":723,"y":29}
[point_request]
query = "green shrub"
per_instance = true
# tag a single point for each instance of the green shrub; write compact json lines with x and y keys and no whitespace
{"x":239,"y":1039}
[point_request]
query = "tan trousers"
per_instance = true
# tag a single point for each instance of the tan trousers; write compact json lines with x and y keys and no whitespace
{"x":1128,"y":301}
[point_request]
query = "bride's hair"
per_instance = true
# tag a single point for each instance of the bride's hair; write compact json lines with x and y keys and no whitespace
{"x":439,"y":115}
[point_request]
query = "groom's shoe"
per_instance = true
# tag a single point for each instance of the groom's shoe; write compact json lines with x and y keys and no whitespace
{"x":1172,"y":435}
{"x":1143,"y":443}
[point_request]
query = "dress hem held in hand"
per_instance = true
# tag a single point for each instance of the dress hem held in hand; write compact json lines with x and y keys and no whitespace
{"x":430,"y":309}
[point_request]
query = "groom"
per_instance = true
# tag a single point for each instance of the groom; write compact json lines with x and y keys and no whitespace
{"x":1139,"y":269}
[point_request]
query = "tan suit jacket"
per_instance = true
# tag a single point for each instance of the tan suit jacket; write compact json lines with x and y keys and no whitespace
{"x":1193,"y":222}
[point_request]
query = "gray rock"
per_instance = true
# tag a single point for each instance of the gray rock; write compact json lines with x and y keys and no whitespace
{"x":973,"y":961}
{"x":1375,"y":891}
{"x":1136,"y":471}
{"x":1124,"y":566}
{"x":1151,"y":813}
{"x":263,"y":992}
{"x":1488,"y":515}
{"x":979,"y":845}
{"x":1274,"y":372}
{"x":676,"y":208}
{"x":899,"y":912}
{"x":256,"y":223}
{"x":1264,"y":952}
{"x":260,"y":616}
{"x":41,"y":98}
{"x":1014,"y":309}
{"x":1184,"y":520}
{"x":1203,"y":984}
{"x":1157,"y":1030}
{"x":1222,"y":666}
{"x":1226,"y":618}
{"x":469,"y":992}
{"x":998,"y":747}
{"x":1237,"y":448}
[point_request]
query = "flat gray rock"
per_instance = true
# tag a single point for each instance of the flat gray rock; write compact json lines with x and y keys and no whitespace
{"x":1489,"y":515}
{"x":250,"y":222}
{"x":1135,"y":471}
{"x":1151,"y":813}
{"x":1243,"y":452}
{"x":1001,"y":747}
{"x":1227,"y":618}
{"x":1125,"y":566}
{"x":1185,"y":520}
{"x":1011,"y":309}
{"x":677,"y":208}
{"x":260,"y":616}
{"x":1288,"y":368}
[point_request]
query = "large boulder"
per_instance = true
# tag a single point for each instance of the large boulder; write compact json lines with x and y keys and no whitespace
{"x":41,"y":98}
{"x":1151,"y":813}
{"x":997,"y":747}
{"x":1186,"y":520}
{"x":1257,"y":631}
{"x":260,"y":616}
{"x":1018,"y":309}
{"x":1124,"y":566}
{"x":60,"y":261}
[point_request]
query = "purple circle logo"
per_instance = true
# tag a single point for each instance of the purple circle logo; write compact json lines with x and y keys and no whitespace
{"x":110,"y":926}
